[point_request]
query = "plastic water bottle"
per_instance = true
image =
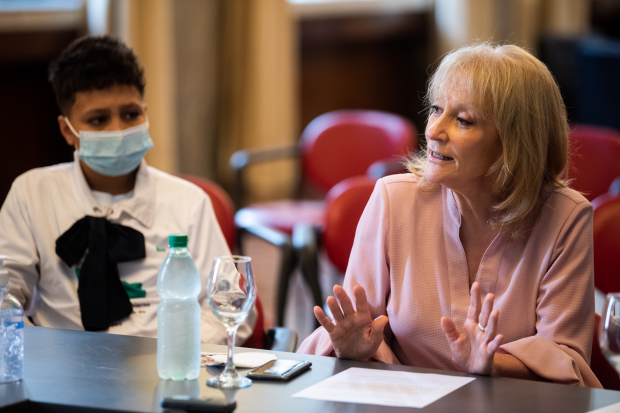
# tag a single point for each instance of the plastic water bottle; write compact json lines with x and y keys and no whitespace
{"x":11,"y":331}
{"x":178,"y":314}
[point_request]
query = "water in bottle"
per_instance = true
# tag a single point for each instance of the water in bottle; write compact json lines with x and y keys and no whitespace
{"x":178,"y":314}
{"x":11,"y":331}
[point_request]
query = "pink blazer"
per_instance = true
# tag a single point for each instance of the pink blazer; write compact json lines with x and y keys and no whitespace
{"x":408,"y":257}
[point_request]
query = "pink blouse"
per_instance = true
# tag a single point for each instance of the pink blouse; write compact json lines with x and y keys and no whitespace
{"x":409,"y":258}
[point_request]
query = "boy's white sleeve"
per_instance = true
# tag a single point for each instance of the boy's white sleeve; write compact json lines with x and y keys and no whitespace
{"x":205,"y":242}
{"x":17,"y":242}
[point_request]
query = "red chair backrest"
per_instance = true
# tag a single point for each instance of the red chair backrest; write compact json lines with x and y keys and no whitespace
{"x":606,"y":374}
{"x":606,"y":234}
{"x":594,"y":159}
{"x":345,"y":204}
{"x":222,"y":206}
{"x":342,"y":144}
{"x":224,"y":212}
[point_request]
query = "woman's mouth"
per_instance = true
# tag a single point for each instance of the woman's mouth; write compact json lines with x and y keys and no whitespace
{"x":440,"y":156}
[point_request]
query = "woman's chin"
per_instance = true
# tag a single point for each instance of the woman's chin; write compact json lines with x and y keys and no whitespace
{"x":433,"y":178}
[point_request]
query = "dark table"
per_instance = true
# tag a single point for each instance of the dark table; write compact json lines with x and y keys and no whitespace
{"x":77,"y":371}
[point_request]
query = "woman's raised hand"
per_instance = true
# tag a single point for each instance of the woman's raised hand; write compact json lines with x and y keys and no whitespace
{"x":354,"y":334}
{"x":474,"y":348}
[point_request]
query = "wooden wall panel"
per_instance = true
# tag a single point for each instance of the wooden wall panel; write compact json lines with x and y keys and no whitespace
{"x":370,"y":62}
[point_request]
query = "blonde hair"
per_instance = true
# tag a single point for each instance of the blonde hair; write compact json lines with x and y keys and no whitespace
{"x":518,"y":93}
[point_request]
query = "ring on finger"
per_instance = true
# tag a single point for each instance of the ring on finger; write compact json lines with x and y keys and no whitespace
{"x":480,"y":327}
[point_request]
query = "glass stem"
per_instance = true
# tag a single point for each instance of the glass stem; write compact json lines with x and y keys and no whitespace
{"x":230,"y":363}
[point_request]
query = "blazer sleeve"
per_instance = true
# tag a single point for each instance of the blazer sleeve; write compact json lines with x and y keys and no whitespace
{"x":369,"y":267}
{"x":560,"y":351}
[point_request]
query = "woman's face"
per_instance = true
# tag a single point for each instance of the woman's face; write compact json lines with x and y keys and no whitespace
{"x":461,"y":146}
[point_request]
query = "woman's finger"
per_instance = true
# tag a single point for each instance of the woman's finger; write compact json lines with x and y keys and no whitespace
{"x":335,"y":309}
{"x":323,"y":319}
{"x":474,"y":302}
{"x":379,"y":324}
{"x":491,"y":328}
{"x":361,"y":303}
{"x":494,"y":344}
{"x":345,"y":301}
{"x":487,"y":307}
{"x":449,"y":328}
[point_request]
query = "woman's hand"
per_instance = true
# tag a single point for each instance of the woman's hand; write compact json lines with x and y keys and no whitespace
{"x":354,"y":335}
{"x":474,"y":348}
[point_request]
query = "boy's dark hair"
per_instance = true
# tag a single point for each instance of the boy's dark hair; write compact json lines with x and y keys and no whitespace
{"x":93,"y":63}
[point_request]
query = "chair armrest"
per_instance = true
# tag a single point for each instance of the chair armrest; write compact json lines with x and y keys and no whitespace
{"x":385,"y":167}
{"x":272,"y":236}
{"x":244,"y":158}
{"x":281,"y":339}
{"x":614,"y":188}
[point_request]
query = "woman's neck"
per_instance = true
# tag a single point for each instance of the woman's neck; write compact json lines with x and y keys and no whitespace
{"x":476,"y":206}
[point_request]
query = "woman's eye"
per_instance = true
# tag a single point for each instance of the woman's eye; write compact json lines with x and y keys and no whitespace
{"x":435,"y":109}
{"x":463,"y":122}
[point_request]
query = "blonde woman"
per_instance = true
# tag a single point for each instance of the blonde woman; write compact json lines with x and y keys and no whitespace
{"x":485,"y":212}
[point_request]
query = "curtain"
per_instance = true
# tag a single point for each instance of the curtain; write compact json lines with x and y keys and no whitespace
{"x":258,"y":96}
{"x":459,"y":22}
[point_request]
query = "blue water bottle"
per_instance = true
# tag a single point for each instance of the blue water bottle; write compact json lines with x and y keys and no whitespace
{"x":11,"y":331}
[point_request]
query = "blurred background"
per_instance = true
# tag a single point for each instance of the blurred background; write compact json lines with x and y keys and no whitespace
{"x":225,"y":75}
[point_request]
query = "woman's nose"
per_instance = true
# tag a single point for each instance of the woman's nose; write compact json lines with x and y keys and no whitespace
{"x":435,"y":128}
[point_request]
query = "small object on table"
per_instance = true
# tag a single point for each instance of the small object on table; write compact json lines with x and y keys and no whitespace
{"x":251,"y":359}
{"x":190,"y":404}
{"x":280,"y":370}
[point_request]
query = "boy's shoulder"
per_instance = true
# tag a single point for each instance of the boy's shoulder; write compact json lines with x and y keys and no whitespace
{"x":49,"y":175}
{"x":173,"y":186}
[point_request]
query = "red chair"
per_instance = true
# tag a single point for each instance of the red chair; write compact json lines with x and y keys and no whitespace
{"x":223,"y":208}
{"x":606,"y":234}
{"x":345,"y":204}
{"x":594,"y":159}
{"x":334,"y":146}
{"x":606,"y":374}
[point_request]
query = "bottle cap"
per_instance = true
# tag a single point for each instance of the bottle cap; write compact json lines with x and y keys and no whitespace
{"x":4,"y":274}
{"x":177,"y":240}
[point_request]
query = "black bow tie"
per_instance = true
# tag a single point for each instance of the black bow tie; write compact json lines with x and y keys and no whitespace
{"x":103,"y":299}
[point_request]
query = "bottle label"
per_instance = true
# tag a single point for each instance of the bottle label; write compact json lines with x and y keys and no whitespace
{"x":15,"y":324}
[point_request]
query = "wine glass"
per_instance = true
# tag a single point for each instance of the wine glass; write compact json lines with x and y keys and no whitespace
{"x":231,"y":292}
{"x":609,"y":330}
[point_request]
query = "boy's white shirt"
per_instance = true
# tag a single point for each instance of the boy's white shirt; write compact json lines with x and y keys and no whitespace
{"x":44,"y":203}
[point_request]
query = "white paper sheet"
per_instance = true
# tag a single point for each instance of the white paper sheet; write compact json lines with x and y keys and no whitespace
{"x":384,"y":387}
{"x":614,"y":408}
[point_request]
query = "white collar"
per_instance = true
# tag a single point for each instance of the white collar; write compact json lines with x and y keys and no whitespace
{"x":140,"y":206}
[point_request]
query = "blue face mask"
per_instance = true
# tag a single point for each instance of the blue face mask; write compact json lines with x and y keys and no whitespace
{"x":114,"y":153}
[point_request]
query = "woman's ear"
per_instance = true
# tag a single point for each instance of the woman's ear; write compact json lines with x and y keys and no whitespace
{"x":67,"y":133}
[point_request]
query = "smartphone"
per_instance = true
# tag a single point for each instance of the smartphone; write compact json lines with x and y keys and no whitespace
{"x":281,"y":370}
{"x":191,"y":404}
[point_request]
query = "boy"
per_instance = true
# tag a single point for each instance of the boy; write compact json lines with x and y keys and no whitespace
{"x":106,"y":213}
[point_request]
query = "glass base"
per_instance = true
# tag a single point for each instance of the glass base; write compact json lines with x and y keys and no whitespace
{"x":234,"y":381}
